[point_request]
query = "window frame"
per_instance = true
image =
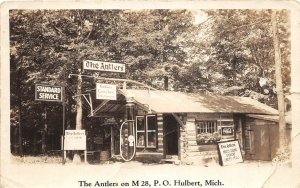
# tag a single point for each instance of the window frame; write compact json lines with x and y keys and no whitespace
{"x":211,"y":126}
{"x":149,"y":131}
{"x":140,"y":131}
{"x":227,"y":137}
{"x":146,"y":131}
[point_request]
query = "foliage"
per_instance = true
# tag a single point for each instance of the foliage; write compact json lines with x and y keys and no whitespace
{"x":241,"y":52}
{"x":208,"y":138}
{"x":229,"y":52}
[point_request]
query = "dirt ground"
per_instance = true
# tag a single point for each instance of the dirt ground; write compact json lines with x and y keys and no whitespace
{"x":119,"y":174}
{"x":48,"y":173}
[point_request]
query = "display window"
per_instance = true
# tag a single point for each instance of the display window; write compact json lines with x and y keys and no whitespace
{"x":213,"y":131}
{"x":146,"y":131}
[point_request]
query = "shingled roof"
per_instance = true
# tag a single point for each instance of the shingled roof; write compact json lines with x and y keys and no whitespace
{"x":177,"y":102}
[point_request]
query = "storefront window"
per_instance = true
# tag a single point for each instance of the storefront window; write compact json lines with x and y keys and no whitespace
{"x":207,"y":132}
{"x":140,"y":131}
{"x":210,"y":132}
{"x":151,"y":131}
{"x":226,"y":130}
{"x":146,"y":131}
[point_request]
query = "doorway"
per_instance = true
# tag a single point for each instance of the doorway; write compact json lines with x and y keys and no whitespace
{"x":171,"y":135}
{"x":264,"y":141}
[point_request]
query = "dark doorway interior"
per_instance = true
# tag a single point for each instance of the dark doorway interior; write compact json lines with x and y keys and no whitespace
{"x":170,"y":135}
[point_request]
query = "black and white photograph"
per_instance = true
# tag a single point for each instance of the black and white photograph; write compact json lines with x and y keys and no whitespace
{"x":150,"y":94}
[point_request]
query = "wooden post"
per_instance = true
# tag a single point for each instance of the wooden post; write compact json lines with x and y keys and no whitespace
{"x":64,"y":153}
{"x":85,"y":156}
{"x":76,"y":158}
{"x":283,"y":140}
{"x":44,"y":132}
{"x":112,"y":141}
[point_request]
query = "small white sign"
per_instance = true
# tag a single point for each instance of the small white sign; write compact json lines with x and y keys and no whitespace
{"x":131,"y":139}
{"x":103,"y":66}
{"x":75,"y":140}
{"x":106,"y":91}
{"x":230,"y":152}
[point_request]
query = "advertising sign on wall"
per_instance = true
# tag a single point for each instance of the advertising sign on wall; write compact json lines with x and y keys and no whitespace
{"x":48,"y":93}
{"x":230,"y":152}
{"x":75,"y":140}
{"x":106,"y":91}
{"x":227,"y":131}
{"x":103,"y":66}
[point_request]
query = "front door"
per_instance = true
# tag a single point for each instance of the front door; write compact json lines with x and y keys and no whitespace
{"x":171,"y":135}
{"x":261,"y":142}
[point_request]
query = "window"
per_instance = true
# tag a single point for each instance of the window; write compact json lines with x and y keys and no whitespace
{"x":146,"y":131}
{"x":207,"y":132}
{"x":151,"y":131}
{"x":140,"y":131}
{"x":227,"y":129}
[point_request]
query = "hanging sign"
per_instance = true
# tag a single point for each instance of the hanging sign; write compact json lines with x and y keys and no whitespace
{"x":48,"y":93}
{"x":75,"y":140}
{"x":230,"y":152}
{"x":103,"y":66}
{"x":106,"y":91}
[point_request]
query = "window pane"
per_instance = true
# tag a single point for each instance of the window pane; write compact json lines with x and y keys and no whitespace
{"x":151,"y":139}
{"x":151,"y":122}
{"x":140,"y":123}
{"x":140,"y":141}
{"x":207,"y":132}
{"x":227,"y":123}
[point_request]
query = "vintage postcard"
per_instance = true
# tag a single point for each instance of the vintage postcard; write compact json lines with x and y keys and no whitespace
{"x":150,"y":94}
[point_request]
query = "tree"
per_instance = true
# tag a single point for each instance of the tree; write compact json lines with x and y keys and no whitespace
{"x":230,"y":52}
{"x":148,"y":43}
{"x":283,"y":140}
{"x":239,"y":46}
{"x":48,"y":45}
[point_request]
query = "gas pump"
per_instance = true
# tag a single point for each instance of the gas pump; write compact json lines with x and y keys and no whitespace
{"x":127,"y":132}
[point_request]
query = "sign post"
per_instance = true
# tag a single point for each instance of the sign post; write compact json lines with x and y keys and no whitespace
{"x":64,"y":154}
{"x":75,"y":140}
{"x":52,"y":93}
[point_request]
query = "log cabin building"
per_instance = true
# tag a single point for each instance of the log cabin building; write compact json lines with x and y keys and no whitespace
{"x":174,"y":126}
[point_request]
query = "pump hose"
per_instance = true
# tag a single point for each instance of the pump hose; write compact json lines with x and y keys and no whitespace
{"x":134,"y":146}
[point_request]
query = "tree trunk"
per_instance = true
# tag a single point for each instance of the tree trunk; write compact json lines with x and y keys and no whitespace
{"x":34,"y":143}
{"x":20,"y":131}
{"x":15,"y":140}
{"x":283,"y":138}
{"x":44,"y":132}
{"x":76,"y":158}
{"x":79,"y":105}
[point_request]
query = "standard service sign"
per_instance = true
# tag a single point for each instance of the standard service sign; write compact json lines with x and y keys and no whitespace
{"x":48,"y":93}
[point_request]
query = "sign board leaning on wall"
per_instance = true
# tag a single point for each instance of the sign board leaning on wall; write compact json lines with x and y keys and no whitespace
{"x":230,"y":152}
{"x":48,"y":93}
{"x":75,"y":140}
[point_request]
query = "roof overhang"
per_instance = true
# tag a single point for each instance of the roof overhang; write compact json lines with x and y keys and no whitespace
{"x":177,"y":102}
